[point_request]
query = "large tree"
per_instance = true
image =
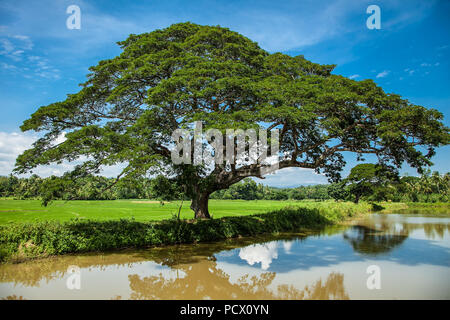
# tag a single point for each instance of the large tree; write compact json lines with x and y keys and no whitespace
{"x":164,"y":80}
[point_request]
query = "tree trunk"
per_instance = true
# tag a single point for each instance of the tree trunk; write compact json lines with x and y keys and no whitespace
{"x":200,"y":206}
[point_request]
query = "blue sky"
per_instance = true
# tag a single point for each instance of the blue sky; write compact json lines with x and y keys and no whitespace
{"x":41,"y":60}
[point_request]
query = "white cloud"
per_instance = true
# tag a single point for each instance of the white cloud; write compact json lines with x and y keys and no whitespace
{"x":12,"y":144}
{"x":26,"y":42}
{"x":292,"y":177}
{"x":383,"y":74}
{"x":410,"y":71}
{"x":14,"y":46}
{"x":354,"y":76}
{"x":42,"y":68}
{"x":97,"y":28}
{"x":425,"y":64}
{"x":260,"y":253}
{"x":297,"y":24}
{"x":18,"y":49}
{"x":275,"y":26}
{"x":32,"y":67}
{"x":7,"y":46}
{"x":287,"y":246}
{"x":8,"y":66}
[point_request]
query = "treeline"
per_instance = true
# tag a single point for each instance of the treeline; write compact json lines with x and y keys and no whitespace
{"x":99,"y":188}
{"x":427,"y":188}
{"x":250,"y":190}
{"x":430,"y":187}
{"x":87,"y":188}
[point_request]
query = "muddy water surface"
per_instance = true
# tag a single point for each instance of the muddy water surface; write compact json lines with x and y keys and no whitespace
{"x":411,"y":255}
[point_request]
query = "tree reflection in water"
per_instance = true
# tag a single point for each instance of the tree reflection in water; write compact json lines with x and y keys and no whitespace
{"x":203,"y":280}
{"x":195,"y":274}
{"x":370,"y":241}
{"x":382,"y":233}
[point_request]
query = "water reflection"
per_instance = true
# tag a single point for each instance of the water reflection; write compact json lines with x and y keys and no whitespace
{"x":433,"y":228}
{"x":373,"y":242}
{"x":264,"y":253}
{"x":205,"y":280}
{"x":13,"y":297}
{"x":35,"y":273}
{"x":326,"y":265}
{"x":260,"y":253}
{"x":402,"y":239}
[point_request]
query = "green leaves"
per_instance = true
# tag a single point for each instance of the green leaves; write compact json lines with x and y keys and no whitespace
{"x":166,"y":79}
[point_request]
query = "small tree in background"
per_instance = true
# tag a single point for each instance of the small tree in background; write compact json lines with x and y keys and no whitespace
{"x":364,"y":179}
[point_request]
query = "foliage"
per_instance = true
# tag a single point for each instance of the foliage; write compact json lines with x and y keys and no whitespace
{"x":164,"y":189}
{"x":365,"y":178}
{"x":369,"y":184}
{"x":164,"y":80}
{"x":430,"y":187}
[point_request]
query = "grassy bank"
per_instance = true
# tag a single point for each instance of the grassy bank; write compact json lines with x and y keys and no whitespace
{"x":437,"y":208}
{"x":28,"y":230}
{"x":20,"y":241}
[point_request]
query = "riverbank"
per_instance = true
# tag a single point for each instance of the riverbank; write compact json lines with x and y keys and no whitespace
{"x":416,"y":207}
{"x":329,"y":264}
{"x":22,"y":241}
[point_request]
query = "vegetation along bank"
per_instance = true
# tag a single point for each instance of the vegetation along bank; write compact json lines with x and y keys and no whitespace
{"x":21,"y":241}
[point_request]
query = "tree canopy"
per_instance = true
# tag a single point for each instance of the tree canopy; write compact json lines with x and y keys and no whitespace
{"x":165,"y":80}
{"x":366,"y":177}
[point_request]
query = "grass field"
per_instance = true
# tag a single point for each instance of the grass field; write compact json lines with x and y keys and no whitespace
{"x":28,"y":230}
{"x":13,"y":211}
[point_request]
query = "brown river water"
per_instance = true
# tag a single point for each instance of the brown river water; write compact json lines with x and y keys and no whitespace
{"x":382,"y":256}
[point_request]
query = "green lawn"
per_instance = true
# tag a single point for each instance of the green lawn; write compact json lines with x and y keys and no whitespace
{"x":12,"y":211}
